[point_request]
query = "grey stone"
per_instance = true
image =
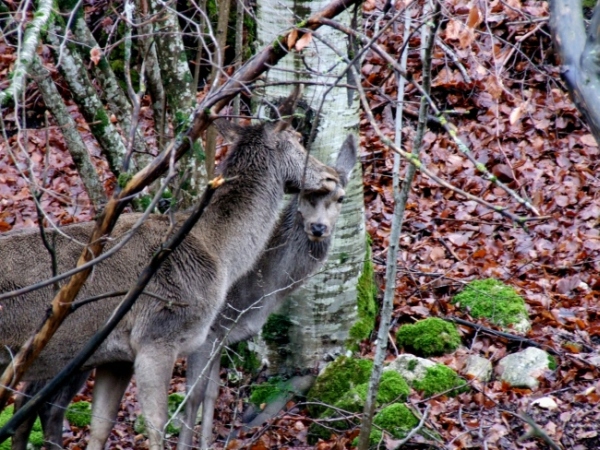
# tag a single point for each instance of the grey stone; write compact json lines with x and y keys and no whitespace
{"x":410,"y":367}
{"x":522,"y":369}
{"x":478,"y":367}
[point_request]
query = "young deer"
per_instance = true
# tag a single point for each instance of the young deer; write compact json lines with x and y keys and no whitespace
{"x":191,"y":285}
{"x":298,"y":246}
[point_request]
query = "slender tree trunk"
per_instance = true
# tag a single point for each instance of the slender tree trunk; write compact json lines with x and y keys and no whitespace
{"x":324,"y":310}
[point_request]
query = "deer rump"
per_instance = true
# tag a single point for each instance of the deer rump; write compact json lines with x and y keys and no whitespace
{"x":225,"y":243}
{"x":298,"y":246}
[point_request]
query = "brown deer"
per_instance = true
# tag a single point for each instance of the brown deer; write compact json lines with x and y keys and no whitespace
{"x":174,"y":317}
{"x":298,"y":246}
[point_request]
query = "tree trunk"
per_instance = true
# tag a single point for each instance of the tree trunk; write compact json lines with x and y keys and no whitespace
{"x":323,"y":310}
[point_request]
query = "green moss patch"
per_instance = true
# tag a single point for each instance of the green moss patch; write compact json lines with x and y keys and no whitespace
{"x":267,"y":392}
{"x":36,"y":437}
{"x":429,"y":337}
{"x":366,"y":303}
{"x":493,"y":300}
{"x":392,"y":388}
{"x":438,"y":379}
{"x":79,"y":414}
{"x":338,"y":378}
{"x":396,"y":419}
{"x":240,"y":356}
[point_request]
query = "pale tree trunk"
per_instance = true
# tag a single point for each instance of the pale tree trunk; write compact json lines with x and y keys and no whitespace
{"x":578,"y":48}
{"x":324,"y":309}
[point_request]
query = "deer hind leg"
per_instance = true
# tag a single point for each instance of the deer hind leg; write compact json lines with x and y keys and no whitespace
{"x":21,"y":436}
{"x":196,"y":381}
{"x":153,"y":369}
{"x":110,"y":384}
{"x":208,"y":406}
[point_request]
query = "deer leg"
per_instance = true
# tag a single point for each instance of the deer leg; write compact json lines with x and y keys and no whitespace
{"x":110,"y":384}
{"x":208,"y":406}
{"x":52,"y":415}
{"x":21,"y":436}
{"x":197,"y":375}
{"x":153,"y":369}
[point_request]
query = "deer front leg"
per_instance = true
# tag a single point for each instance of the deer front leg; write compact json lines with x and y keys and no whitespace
{"x":153,"y":369}
{"x":110,"y":383}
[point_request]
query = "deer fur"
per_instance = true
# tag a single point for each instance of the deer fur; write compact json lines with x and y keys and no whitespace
{"x":298,"y":246}
{"x":225,"y":244}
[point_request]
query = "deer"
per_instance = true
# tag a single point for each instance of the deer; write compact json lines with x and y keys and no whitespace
{"x":298,"y":246}
{"x":173,"y":316}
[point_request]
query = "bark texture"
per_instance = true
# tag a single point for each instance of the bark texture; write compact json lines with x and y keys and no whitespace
{"x":579,"y":52}
{"x":323,"y":310}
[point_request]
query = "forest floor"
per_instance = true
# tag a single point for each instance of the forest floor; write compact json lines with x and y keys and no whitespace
{"x":500,"y":84}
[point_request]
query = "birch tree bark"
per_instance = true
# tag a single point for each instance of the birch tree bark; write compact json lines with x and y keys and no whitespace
{"x":324,"y":310}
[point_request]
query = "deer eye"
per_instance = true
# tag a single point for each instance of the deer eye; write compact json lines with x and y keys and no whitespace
{"x":341,"y":199}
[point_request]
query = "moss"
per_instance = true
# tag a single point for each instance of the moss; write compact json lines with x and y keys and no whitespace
{"x":429,"y":337}
{"x":496,"y":301}
{"x":392,"y":388}
{"x":338,"y":378}
{"x":267,"y":392}
{"x":552,"y":365}
{"x":36,"y":437}
{"x":276,"y":329}
{"x":124,"y":179}
{"x":79,"y":414}
{"x":438,"y":379}
{"x":240,"y":355}
{"x":366,"y":302}
{"x":396,"y":419}
{"x":174,"y":401}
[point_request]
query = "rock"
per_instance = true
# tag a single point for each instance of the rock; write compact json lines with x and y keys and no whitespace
{"x":478,"y":367}
{"x":410,"y":367}
{"x":522,"y":369}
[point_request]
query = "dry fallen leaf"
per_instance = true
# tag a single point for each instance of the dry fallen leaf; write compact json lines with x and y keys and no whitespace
{"x":303,"y":41}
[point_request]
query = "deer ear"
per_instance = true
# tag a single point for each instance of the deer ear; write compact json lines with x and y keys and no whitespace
{"x":346,"y":159}
{"x":227,"y":129}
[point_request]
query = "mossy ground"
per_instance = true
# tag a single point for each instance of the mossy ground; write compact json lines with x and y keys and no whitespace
{"x":240,"y":356}
{"x":366,"y":303}
{"x":79,"y":414}
{"x":438,"y":379}
{"x":392,"y":388}
{"x":267,"y":392}
{"x":338,"y":378}
{"x":36,"y":438}
{"x":429,"y":337}
{"x":496,"y":301}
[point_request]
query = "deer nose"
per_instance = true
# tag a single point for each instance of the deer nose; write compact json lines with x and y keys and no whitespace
{"x":318,"y":229}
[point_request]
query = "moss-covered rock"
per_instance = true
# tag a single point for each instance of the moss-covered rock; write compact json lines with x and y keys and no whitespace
{"x":495,"y":301}
{"x":79,"y":414}
{"x":36,"y":437}
{"x":438,"y":379}
{"x":392,"y":388}
{"x":276,"y":329}
{"x":396,"y":419}
{"x":338,"y":378}
{"x":366,"y":303}
{"x":266,"y":392}
{"x":240,"y":356}
{"x":429,"y":337}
